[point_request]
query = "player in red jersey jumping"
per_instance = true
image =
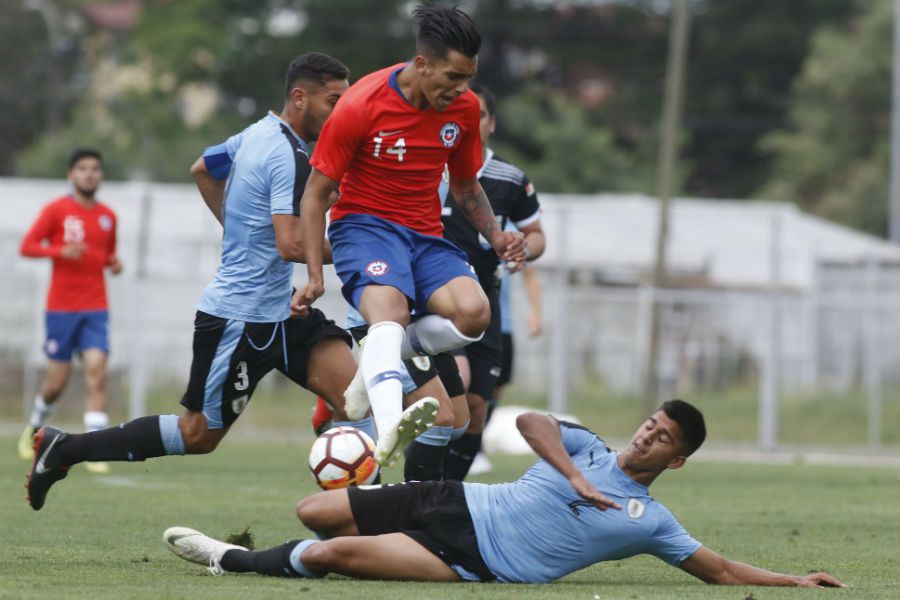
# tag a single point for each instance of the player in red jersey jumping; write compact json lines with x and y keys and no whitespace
{"x":386,"y":145}
{"x":78,"y":233}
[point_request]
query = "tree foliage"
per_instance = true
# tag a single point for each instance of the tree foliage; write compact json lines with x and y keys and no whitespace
{"x":833,"y":160}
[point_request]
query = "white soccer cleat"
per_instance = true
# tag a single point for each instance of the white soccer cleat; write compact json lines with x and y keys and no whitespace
{"x":193,"y":546}
{"x":356,"y":398}
{"x":416,"y":419}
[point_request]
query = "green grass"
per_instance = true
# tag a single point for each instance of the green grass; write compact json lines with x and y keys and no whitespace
{"x":100,"y":537}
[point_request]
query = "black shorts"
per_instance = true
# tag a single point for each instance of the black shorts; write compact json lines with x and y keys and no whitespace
{"x":433,"y":513}
{"x":423,"y":369}
{"x":231,"y":357}
{"x":486,"y":355}
{"x":506,"y":365}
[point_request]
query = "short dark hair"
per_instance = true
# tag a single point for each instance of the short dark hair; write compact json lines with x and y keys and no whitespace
{"x":690,"y":422}
{"x":444,"y":28}
{"x":489,"y":101}
{"x":79,"y":153}
{"x":315,"y":67}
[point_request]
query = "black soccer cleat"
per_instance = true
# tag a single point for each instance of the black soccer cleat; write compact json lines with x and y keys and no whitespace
{"x":46,"y":469}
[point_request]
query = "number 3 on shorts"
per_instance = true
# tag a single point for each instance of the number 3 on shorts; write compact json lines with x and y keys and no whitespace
{"x":243,"y":378}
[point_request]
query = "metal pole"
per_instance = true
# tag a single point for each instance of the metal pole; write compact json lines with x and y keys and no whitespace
{"x":678,"y":39}
{"x":894,"y":201}
{"x":558,"y":379}
{"x":771,"y":373}
{"x":872,"y":354}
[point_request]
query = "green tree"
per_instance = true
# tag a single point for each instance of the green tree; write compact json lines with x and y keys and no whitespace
{"x":833,"y":160}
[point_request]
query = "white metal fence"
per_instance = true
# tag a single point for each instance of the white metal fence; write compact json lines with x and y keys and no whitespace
{"x":840,"y":332}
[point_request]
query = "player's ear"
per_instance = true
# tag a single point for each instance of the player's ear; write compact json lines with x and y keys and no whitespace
{"x":493,"y":125}
{"x":677,"y":462}
{"x":421,"y":63}
{"x":299,"y":97}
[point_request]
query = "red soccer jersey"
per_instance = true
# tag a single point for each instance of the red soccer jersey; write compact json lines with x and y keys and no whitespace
{"x":389,"y":156}
{"x":76,"y":285}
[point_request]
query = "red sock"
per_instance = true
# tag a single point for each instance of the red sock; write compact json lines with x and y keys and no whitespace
{"x":322,"y":414}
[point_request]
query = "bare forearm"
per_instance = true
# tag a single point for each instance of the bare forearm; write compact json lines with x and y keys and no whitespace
{"x":533,"y":289}
{"x":476,"y":207}
{"x":542,"y":434}
{"x":743,"y":574}
{"x":213,"y":192}
{"x":312,"y":221}
{"x":535,"y":242}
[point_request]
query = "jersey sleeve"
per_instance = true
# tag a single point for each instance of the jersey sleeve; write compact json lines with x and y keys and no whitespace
{"x":671,"y":542}
{"x":577,"y":439}
{"x":219,"y":158}
{"x":344,"y":130}
{"x":465,"y":161}
{"x":41,"y":230}
{"x":527,"y":209}
{"x":287,"y":170}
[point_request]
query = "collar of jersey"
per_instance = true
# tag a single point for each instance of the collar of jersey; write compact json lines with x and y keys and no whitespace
{"x":625,"y":479}
{"x":392,"y":83}
{"x":487,"y":158}
{"x":281,"y":121}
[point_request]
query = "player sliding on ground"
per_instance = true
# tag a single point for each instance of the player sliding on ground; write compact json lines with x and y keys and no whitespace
{"x":581,"y":504}
{"x":386,"y":145}
{"x":243,"y":327}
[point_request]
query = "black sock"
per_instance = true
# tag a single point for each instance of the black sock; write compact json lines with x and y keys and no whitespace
{"x":274,"y":561}
{"x":460,"y":454}
{"x":424,"y":462}
{"x":133,"y":441}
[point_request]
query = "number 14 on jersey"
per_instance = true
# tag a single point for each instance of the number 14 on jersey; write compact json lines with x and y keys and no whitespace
{"x":398,"y":149}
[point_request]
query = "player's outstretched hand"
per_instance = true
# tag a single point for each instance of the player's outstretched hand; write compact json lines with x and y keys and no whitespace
{"x":592,"y":494}
{"x":509,"y":245}
{"x":820,"y":580}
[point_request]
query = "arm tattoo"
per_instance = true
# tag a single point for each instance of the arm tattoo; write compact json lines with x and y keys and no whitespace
{"x":477,"y":209}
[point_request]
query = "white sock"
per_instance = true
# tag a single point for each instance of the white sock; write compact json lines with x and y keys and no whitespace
{"x":95,"y":420}
{"x":380,"y":365}
{"x":40,"y":413}
{"x":433,"y":334}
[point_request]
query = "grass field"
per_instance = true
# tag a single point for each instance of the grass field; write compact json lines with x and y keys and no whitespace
{"x":100,"y":536}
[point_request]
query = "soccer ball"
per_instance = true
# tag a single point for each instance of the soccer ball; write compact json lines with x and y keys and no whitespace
{"x":341,"y":457}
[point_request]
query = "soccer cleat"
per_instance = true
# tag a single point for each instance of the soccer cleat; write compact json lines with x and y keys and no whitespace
{"x":356,"y":398}
{"x":193,"y":546}
{"x":416,"y":419}
{"x":26,"y":441}
{"x":97,"y":468}
{"x":46,"y":469}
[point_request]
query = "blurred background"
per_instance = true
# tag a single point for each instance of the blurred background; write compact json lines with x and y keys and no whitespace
{"x":777,"y":309}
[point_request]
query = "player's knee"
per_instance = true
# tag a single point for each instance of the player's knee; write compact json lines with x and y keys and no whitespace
{"x":197,"y":438}
{"x":312,"y":512}
{"x":473,"y":317}
{"x":445,"y":416}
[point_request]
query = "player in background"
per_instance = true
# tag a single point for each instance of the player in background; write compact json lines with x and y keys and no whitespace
{"x":78,"y":233}
{"x":243,"y":326}
{"x":482,"y":463}
{"x":514,"y":201}
{"x":386,"y":146}
{"x":581,"y":504}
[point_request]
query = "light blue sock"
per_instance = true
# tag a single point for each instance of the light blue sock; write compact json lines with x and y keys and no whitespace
{"x":297,"y":564}
{"x":173,"y":442}
{"x":458,"y":432}
{"x":436,"y":436}
{"x":366,"y":425}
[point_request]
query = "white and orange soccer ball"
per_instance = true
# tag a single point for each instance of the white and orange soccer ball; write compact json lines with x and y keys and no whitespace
{"x":341,"y":457}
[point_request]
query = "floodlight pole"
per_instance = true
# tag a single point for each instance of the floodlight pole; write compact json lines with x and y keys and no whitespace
{"x":894,"y":206}
{"x":668,"y":155}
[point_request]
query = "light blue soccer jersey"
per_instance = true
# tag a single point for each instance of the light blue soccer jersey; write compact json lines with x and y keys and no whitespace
{"x":267,"y":165}
{"x":538,"y":529}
